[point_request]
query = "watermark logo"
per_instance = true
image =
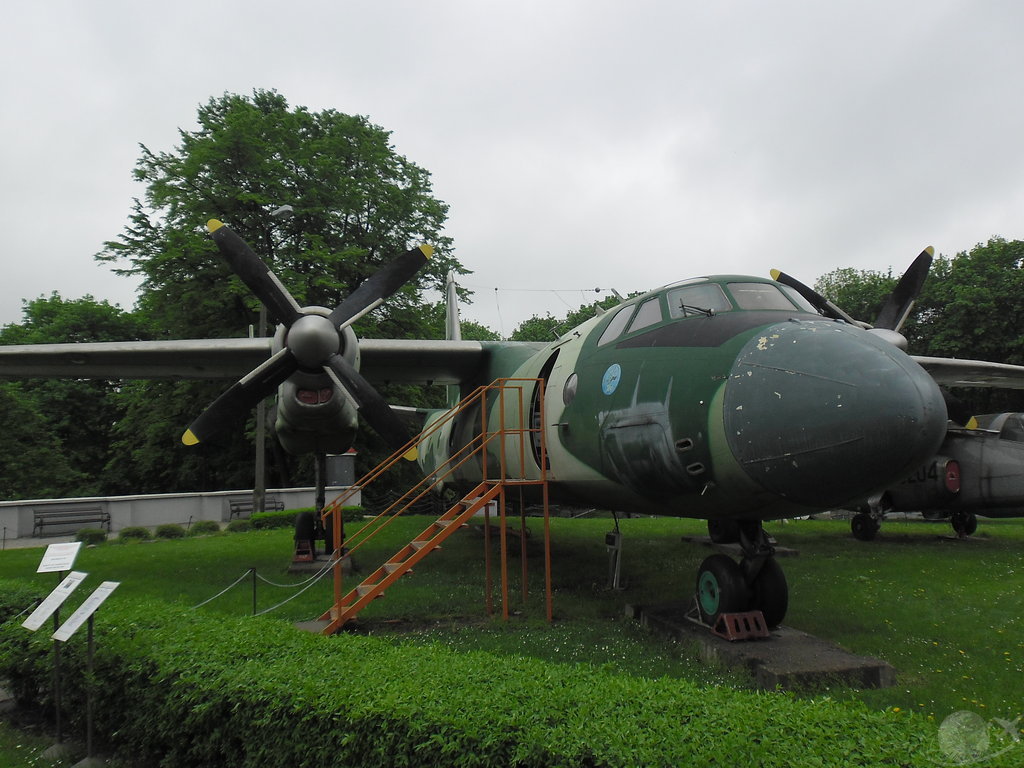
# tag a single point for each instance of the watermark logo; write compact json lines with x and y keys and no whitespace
{"x":966,"y":738}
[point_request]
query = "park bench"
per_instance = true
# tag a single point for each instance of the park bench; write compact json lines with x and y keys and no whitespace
{"x":71,"y":518}
{"x":243,"y":507}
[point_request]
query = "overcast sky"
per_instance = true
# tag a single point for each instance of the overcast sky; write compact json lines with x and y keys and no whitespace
{"x":578,"y":144}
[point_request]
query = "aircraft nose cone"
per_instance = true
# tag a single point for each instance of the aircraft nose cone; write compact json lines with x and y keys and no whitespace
{"x":823,"y":413}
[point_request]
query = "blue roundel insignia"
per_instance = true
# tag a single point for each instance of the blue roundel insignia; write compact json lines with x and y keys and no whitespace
{"x":610,"y":381}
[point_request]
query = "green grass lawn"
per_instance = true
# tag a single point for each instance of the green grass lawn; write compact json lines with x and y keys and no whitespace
{"x":947,"y":615}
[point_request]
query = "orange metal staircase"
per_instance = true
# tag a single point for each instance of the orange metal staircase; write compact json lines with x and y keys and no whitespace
{"x":348,"y":605}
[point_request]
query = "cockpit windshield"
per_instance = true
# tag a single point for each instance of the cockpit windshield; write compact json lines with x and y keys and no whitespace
{"x":701,"y":299}
{"x":759,"y":296}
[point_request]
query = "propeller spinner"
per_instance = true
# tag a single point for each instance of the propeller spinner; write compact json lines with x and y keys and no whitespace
{"x":312,"y":341}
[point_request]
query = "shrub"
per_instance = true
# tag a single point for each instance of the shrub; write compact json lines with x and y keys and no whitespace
{"x":171,"y":691}
{"x":263,"y":520}
{"x":170,"y":531}
{"x":134,"y":532}
{"x":239,"y":526}
{"x":91,"y":536}
{"x":204,"y":528}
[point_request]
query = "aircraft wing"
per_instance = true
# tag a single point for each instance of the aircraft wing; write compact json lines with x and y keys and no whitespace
{"x":440,"y":362}
{"x":952,"y":372}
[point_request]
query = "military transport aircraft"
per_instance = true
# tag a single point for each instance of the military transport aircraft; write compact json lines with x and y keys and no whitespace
{"x":729,"y":398}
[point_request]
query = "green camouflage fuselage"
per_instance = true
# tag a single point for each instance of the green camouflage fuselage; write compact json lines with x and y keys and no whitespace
{"x":718,"y":411}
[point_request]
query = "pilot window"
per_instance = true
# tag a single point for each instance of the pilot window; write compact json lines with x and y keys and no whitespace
{"x":759,"y":296}
{"x":648,"y":314}
{"x":692,"y":300}
{"x":799,"y":300}
{"x":614,"y":328}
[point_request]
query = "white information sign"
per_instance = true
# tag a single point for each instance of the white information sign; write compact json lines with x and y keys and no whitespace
{"x":59,"y":557}
{"x":54,"y":600}
{"x":85,"y":610}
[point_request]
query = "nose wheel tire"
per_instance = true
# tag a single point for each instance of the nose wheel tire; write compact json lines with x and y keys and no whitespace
{"x":864,"y":527}
{"x":720,"y":588}
{"x":770,"y":593}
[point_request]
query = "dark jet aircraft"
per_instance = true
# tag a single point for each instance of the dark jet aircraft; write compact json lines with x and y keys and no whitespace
{"x":978,"y":469}
{"x":729,"y":398}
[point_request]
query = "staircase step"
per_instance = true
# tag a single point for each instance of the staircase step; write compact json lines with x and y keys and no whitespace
{"x":390,"y":568}
{"x":364,"y":589}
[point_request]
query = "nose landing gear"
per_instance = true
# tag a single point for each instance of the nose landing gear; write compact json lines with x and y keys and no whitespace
{"x":756,"y":583}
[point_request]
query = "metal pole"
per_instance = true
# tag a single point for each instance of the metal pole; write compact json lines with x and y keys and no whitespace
{"x":253,"y":570}
{"x":56,"y":678}
{"x":259,"y":491}
{"x":89,"y":692}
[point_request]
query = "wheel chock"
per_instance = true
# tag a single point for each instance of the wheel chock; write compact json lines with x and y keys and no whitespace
{"x":748,"y":625}
{"x":303,"y":551}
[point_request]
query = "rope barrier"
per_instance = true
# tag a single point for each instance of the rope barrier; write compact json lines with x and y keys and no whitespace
{"x":323,"y":572}
{"x":224,"y":591}
{"x":302,"y":586}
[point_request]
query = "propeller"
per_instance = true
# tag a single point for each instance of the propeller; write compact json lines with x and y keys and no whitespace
{"x":312,"y":342}
{"x":894,"y":311}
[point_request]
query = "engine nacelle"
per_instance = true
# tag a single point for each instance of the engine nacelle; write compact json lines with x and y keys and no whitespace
{"x":933,"y":485}
{"x":314,"y":415}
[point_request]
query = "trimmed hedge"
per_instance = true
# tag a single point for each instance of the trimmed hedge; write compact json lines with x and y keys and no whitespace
{"x":286,"y":519}
{"x":179,"y":688}
{"x":204,"y":528}
{"x":170,"y":531}
{"x":262,"y":521}
{"x":136,"y":532}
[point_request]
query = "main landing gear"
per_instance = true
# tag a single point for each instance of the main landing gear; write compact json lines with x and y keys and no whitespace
{"x":865,"y":525}
{"x":756,"y":583}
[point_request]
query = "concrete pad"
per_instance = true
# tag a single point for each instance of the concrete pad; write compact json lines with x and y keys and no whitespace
{"x":789,"y":659}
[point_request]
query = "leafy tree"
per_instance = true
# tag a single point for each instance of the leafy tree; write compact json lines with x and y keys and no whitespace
{"x":79,"y":414}
{"x":353,"y":204}
{"x":548,"y":328}
{"x":860,"y":293}
{"x":970,"y":307}
{"x":33,"y":465}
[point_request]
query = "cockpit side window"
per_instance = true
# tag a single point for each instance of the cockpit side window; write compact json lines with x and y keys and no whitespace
{"x":616,"y":326}
{"x":759,"y":296}
{"x":799,"y":300}
{"x":648,"y":314}
{"x":692,"y":300}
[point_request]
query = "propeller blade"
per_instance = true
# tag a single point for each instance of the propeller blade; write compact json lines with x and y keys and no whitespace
{"x":823,"y":305}
{"x":372,"y":406}
{"x":241,"y":397}
{"x":255,"y":274}
{"x":380,"y":285}
{"x":897,"y":307}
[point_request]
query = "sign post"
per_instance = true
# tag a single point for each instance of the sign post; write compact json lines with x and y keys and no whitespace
{"x":51,"y":607}
{"x":85,"y":613}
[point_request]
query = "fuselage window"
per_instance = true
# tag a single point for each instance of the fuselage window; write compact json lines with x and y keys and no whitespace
{"x":648,"y":314}
{"x":759,"y":296}
{"x":617,"y":324}
{"x":694,"y":300}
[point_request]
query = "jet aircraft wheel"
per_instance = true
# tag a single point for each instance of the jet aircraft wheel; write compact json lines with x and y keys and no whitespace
{"x":724,"y":531}
{"x":770,"y":593}
{"x":720,"y":588}
{"x":864,"y":527}
{"x":964,"y":523}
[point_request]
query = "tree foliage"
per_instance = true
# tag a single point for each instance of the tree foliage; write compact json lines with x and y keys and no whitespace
{"x":72,"y":420}
{"x":548,"y":328}
{"x":353,"y":203}
{"x":970,"y":307}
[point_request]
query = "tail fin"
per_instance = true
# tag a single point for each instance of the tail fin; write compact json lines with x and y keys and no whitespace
{"x":452,"y":329}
